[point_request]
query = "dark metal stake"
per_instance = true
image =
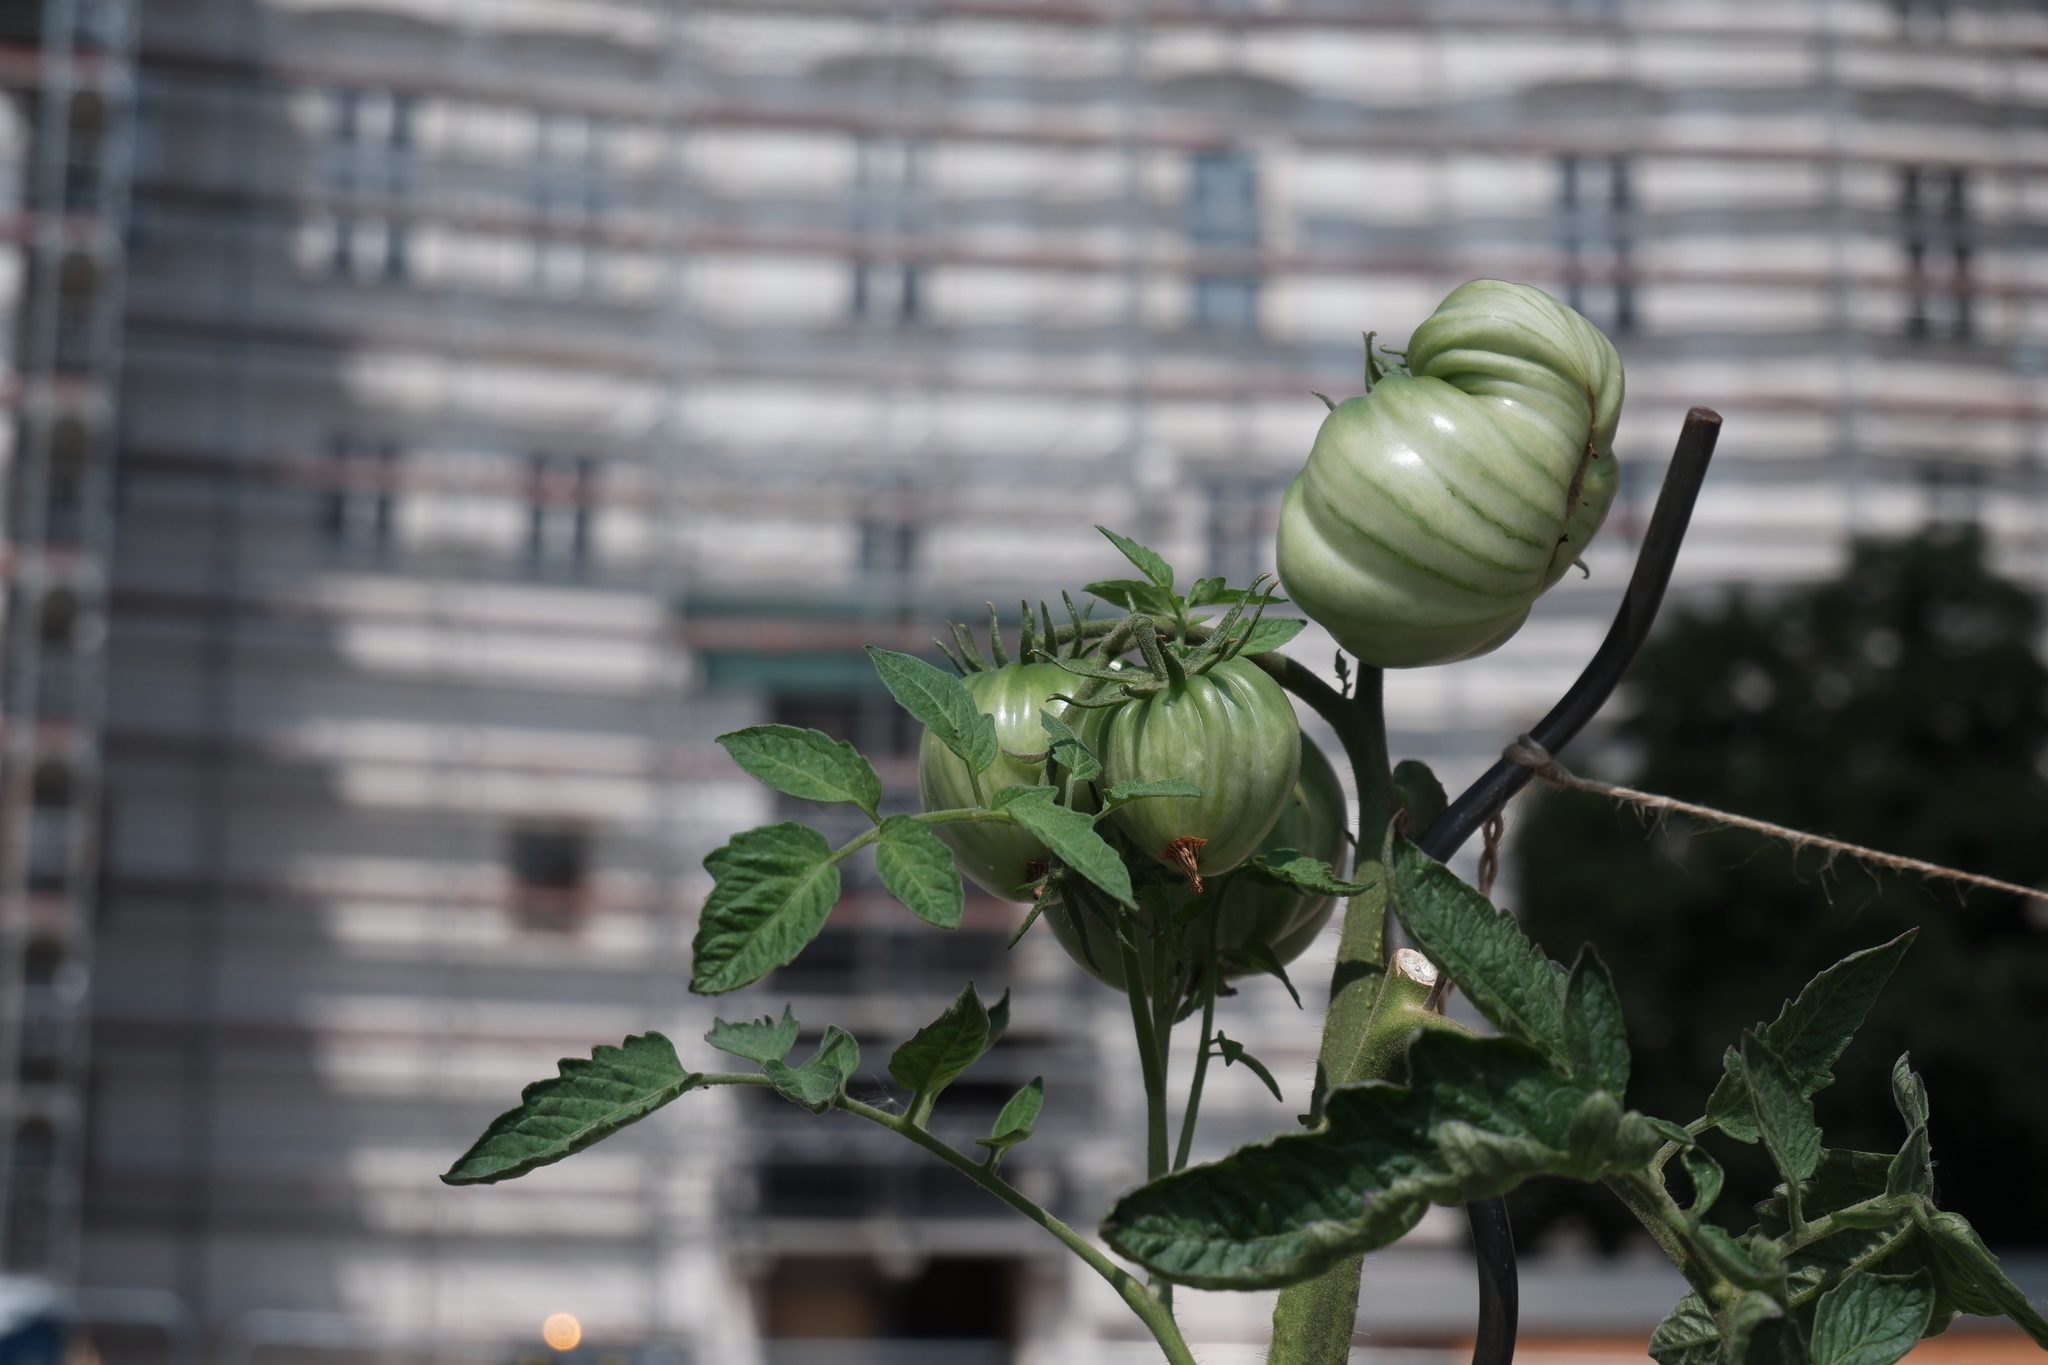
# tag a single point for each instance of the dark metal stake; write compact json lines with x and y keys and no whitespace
{"x":1492,"y":1242}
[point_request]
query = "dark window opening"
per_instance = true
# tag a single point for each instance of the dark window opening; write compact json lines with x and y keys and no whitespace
{"x":29,"y":1203}
{"x":49,"y":830}
{"x":64,"y":495}
{"x":56,"y":662}
{"x":561,"y":492}
{"x":358,"y":497}
{"x":1934,"y":217}
{"x":1222,"y":212}
{"x":1596,"y":234}
{"x":844,"y":961}
{"x":868,"y":719}
{"x":890,"y":204}
{"x":1244,"y":516}
{"x":971,"y":1301}
{"x":550,"y":867}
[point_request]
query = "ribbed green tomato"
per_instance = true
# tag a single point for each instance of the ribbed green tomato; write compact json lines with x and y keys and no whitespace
{"x":1231,"y":731}
{"x":996,"y":857}
{"x":1247,"y":910}
{"x":1435,"y":510}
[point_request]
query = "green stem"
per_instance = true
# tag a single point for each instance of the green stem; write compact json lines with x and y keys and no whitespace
{"x":1148,"y":1062}
{"x":1652,"y":1204}
{"x":1153,"y":1313}
{"x":1314,"y":1320}
{"x":1187,"y":1121}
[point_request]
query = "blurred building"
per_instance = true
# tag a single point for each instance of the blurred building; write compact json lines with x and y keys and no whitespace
{"x":459,"y":414}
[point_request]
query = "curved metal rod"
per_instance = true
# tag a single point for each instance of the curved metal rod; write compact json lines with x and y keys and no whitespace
{"x":1493,"y":1241}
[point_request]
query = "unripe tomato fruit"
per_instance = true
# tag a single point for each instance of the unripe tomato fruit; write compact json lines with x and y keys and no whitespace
{"x":1247,"y":910}
{"x":1231,"y":731}
{"x":1001,"y":859}
{"x":1435,"y":510}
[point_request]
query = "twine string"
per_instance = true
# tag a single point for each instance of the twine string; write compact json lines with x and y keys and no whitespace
{"x":1533,"y":756}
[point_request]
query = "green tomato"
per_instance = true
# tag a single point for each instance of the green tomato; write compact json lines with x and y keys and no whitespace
{"x":1435,"y":510}
{"x":1231,"y":731}
{"x":1001,"y":859}
{"x":1247,"y":908}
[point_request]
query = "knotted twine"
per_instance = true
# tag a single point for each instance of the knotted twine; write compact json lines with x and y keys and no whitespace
{"x":1533,"y":756}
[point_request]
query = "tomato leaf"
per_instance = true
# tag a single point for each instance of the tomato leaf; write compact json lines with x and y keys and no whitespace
{"x":1706,"y":1176}
{"x":1482,"y":1115}
{"x":1811,"y":1032}
{"x":817,"y":1083}
{"x":1014,"y":1124}
{"x":1233,"y":1053}
{"x":1149,"y":564}
{"x":1783,"y":1113}
{"x":919,"y":870}
{"x":1420,"y":795}
{"x":1071,"y":836}
{"x":1517,"y":988}
{"x":1594,"y":1033}
{"x":807,"y":764}
{"x":936,"y":1054}
{"x":761,"y":1040}
{"x":774,"y":886}
{"x":942,"y":702}
{"x":1304,"y":873}
{"x":1206,"y":592}
{"x":1970,"y":1275}
{"x":1687,"y":1336}
{"x":1133,"y":594}
{"x":585,"y":1102}
{"x":1258,"y":957}
{"x":1068,"y":750}
{"x":1271,"y":632}
{"x":1871,"y":1319}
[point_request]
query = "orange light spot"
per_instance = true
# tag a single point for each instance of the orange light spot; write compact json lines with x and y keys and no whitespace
{"x":561,"y":1331}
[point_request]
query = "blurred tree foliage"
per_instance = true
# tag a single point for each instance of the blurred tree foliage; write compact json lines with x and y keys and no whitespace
{"x":1902,"y":706}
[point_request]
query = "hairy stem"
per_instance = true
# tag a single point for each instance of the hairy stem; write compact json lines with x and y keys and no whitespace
{"x":1156,"y":1316}
{"x":1313,"y":1322}
{"x":1149,"y":1061}
{"x":1210,"y":980}
{"x":1644,"y":1196}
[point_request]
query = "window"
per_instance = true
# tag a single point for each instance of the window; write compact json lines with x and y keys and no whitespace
{"x":31,"y":1169}
{"x":357,"y":496}
{"x":889,"y":532}
{"x":64,"y":497}
{"x":550,"y":868}
{"x":1244,"y":515}
{"x":889,"y":210}
{"x":1922,"y":21}
{"x":560,"y":491}
{"x":56,"y":665}
{"x":1596,"y":227}
{"x":1934,"y":219}
{"x":1223,"y":215}
{"x":49,"y":830}
{"x":571,"y":188}
{"x":368,"y":158}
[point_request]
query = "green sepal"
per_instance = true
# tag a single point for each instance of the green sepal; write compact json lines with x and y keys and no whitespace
{"x":942,"y":702}
{"x":806,"y":764}
{"x":1481,"y":1115}
{"x":772,"y":890}
{"x":919,"y":870}
{"x":760,"y":1040}
{"x":818,"y":1083}
{"x":1811,"y":1031}
{"x":585,"y":1102}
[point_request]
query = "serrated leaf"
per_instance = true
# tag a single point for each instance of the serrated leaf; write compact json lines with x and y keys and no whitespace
{"x":1595,"y":1037}
{"x":1871,"y":1319}
{"x":1909,"y":1092}
{"x":1233,"y":1054}
{"x":1750,"y":1313}
{"x":1259,"y":957}
{"x":1706,"y":1176}
{"x":1687,"y":1336}
{"x":587,"y":1101}
{"x":1912,"y":1170}
{"x":1811,"y":1032}
{"x":936,"y":1054}
{"x":1165,"y":786}
{"x":942,"y":702}
{"x":760,"y":1040}
{"x":1304,"y":873}
{"x":1068,"y":750}
{"x":1149,"y":564}
{"x":806,"y":764}
{"x":1015,"y":1123}
{"x":1269,"y":633}
{"x":1133,"y":594}
{"x":773,"y":888}
{"x":1205,"y":591}
{"x":1783,"y":1113}
{"x":1420,"y":794}
{"x":1481,"y":1115}
{"x":1972,"y":1274}
{"x":1501,"y":972}
{"x":918,"y":870}
{"x":817,"y":1083}
{"x":1071,"y":836}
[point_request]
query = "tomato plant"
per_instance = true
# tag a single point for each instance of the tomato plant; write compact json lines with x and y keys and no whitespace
{"x":1140,"y":779}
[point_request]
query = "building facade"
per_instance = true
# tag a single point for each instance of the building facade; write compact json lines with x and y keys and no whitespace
{"x":473,"y":410}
